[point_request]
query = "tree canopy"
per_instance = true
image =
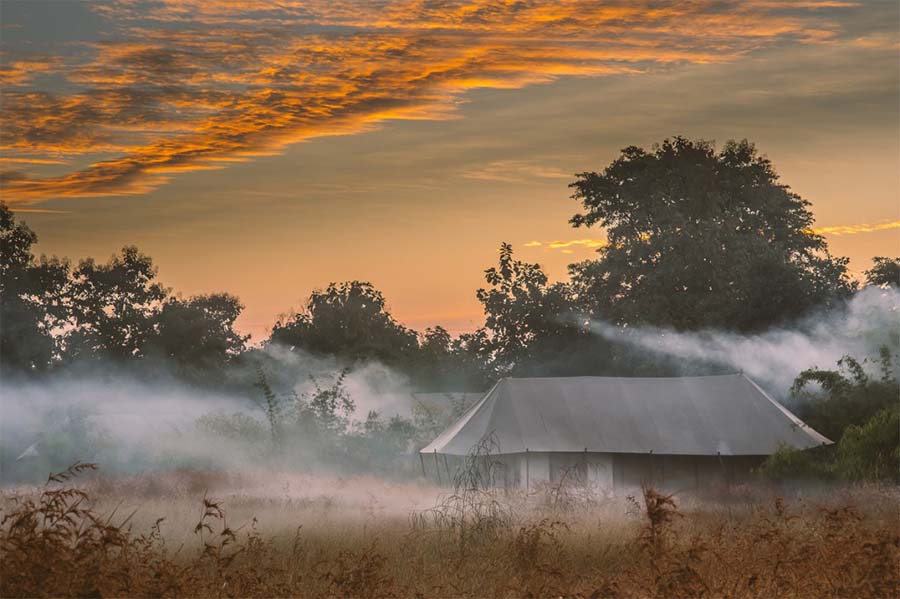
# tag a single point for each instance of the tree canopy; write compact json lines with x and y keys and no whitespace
{"x":884,"y":272}
{"x":530,"y":322}
{"x":699,"y":238}
{"x":347,"y":320}
{"x":116,"y":306}
{"x":33,"y":299}
{"x":198,"y":332}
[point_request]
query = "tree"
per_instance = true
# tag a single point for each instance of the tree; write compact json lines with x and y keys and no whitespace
{"x":32,"y":299}
{"x":698,"y":239}
{"x":198,"y":333}
{"x":857,"y":411}
{"x":885,"y":272}
{"x":530,"y":322}
{"x":871,"y":451}
{"x":350,"y":321}
{"x":116,"y":306}
{"x":830,"y":401}
{"x":445,"y":363}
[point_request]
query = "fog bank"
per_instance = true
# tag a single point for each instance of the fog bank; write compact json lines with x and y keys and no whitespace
{"x":130,"y":424}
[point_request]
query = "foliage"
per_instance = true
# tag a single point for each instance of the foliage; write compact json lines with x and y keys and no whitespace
{"x":700,"y":239}
{"x":54,"y":317}
{"x":236,"y":426}
{"x":473,"y":513}
{"x":330,"y":408}
{"x":318,"y":424}
{"x":528,"y":319}
{"x":846,"y":396}
{"x":115,"y":307}
{"x":871,"y":452}
{"x":884,"y":272}
{"x":790,"y":464}
{"x":33,"y":300}
{"x":198,"y":333}
{"x":443,"y":363}
{"x":272,"y":408}
{"x":859,"y":413}
{"x":350,"y":321}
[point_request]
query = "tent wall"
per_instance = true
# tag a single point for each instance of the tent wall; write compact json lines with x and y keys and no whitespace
{"x":613,"y":471}
{"x":623,"y":471}
{"x":677,"y":472}
{"x":681,"y":472}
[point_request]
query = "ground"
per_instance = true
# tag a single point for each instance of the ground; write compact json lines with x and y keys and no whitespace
{"x":204,"y":534}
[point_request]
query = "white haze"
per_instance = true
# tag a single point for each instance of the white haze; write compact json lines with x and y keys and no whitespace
{"x":775,"y":357}
{"x":131,"y":424}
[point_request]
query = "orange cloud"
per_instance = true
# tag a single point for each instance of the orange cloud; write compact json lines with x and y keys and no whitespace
{"x":225,"y":81}
{"x":566,"y":247}
{"x":855,"y":229}
{"x":21,"y":71}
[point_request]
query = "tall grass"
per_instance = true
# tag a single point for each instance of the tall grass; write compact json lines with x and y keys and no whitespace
{"x":63,"y":540}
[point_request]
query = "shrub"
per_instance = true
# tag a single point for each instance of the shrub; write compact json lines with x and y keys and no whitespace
{"x":871,"y":451}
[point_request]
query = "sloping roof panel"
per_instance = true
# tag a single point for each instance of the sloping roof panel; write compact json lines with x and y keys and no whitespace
{"x":709,"y":415}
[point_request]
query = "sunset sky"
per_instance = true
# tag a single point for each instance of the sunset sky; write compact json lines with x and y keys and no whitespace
{"x":268,"y":148}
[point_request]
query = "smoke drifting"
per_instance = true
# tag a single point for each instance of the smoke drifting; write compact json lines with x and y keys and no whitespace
{"x":869,"y":321}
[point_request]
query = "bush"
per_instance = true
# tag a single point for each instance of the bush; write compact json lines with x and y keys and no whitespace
{"x":872,"y":451}
{"x":789,"y":464}
{"x":860,"y":413}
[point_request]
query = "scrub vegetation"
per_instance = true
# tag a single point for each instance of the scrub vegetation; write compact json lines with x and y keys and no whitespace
{"x":62,"y":540}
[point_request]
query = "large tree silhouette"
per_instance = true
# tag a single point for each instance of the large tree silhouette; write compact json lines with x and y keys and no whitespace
{"x":699,"y":238}
{"x":33,"y":299}
{"x":197,"y":334}
{"x":884,"y":272}
{"x":116,"y":306}
{"x":530,"y":320}
{"x":350,"y":321}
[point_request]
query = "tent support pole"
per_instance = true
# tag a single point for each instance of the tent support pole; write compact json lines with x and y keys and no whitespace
{"x":527,"y":473}
{"x":724,"y":470}
{"x":587,"y":470}
{"x":422,"y":461}
{"x":447,"y":468}
{"x":437,"y":467}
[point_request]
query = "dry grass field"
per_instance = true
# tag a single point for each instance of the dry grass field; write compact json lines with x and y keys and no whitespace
{"x":196,"y":534}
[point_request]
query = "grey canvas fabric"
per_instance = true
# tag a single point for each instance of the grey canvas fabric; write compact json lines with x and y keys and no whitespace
{"x":708,"y":415}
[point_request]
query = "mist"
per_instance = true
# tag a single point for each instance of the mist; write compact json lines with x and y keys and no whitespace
{"x":131,"y":422}
{"x":774,"y":358}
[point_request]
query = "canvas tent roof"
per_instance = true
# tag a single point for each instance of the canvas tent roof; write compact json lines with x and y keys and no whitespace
{"x":708,"y":415}
{"x":445,"y":401}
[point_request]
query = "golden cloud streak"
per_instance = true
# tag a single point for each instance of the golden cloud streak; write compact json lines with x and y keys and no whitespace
{"x":223,"y":81}
{"x":856,"y":229}
{"x":566,"y":246}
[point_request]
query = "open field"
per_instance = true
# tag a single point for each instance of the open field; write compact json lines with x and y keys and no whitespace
{"x":203,"y":534}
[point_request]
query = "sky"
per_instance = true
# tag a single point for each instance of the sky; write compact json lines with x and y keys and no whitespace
{"x":268,"y":148}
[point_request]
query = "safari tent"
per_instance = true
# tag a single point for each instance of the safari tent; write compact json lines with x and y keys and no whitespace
{"x":612,"y":432}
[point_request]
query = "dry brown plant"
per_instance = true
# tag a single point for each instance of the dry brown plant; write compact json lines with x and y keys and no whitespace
{"x":65,"y":540}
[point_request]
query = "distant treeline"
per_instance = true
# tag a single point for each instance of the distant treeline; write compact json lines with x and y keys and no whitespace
{"x":698,"y":238}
